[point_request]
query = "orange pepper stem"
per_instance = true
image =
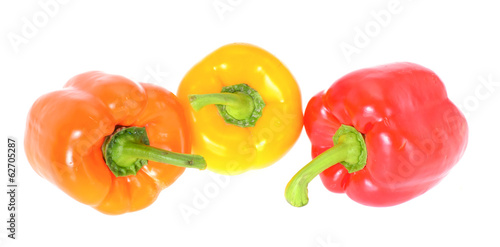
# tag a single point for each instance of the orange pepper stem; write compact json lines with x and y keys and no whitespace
{"x":238,"y":104}
{"x":127,"y":150}
{"x":349,"y":150}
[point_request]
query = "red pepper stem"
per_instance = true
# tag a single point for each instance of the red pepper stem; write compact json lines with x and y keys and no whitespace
{"x":127,"y":150}
{"x":349,"y":150}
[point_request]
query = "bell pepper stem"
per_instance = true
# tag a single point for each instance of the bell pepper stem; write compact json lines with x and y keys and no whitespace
{"x":239,"y":105}
{"x":141,"y":151}
{"x":349,"y":150}
{"x":127,"y":150}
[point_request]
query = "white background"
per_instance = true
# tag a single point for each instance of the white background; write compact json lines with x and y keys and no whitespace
{"x":158,"y":41}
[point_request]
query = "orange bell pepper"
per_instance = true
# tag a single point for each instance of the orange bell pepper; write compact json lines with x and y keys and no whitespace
{"x":91,"y":139}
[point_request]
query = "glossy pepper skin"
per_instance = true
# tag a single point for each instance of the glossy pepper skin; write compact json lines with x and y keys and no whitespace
{"x":66,"y":129}
{"x":413,"y":133}
{"x":231,"y":149}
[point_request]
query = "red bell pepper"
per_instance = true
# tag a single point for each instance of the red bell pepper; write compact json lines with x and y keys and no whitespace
{"x":395,"y":135}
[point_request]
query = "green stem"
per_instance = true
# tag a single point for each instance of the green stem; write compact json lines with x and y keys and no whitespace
{"x":238,"y":104}
{"x":349,"y":150}
{"x":141,"y":151}
{"x":127,"y":150}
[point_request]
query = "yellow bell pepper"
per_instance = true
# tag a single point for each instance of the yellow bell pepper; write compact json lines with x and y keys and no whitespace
{"x":244,"y":108}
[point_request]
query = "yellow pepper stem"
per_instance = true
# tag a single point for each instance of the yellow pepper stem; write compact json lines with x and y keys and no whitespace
{"x":239,"y":104}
